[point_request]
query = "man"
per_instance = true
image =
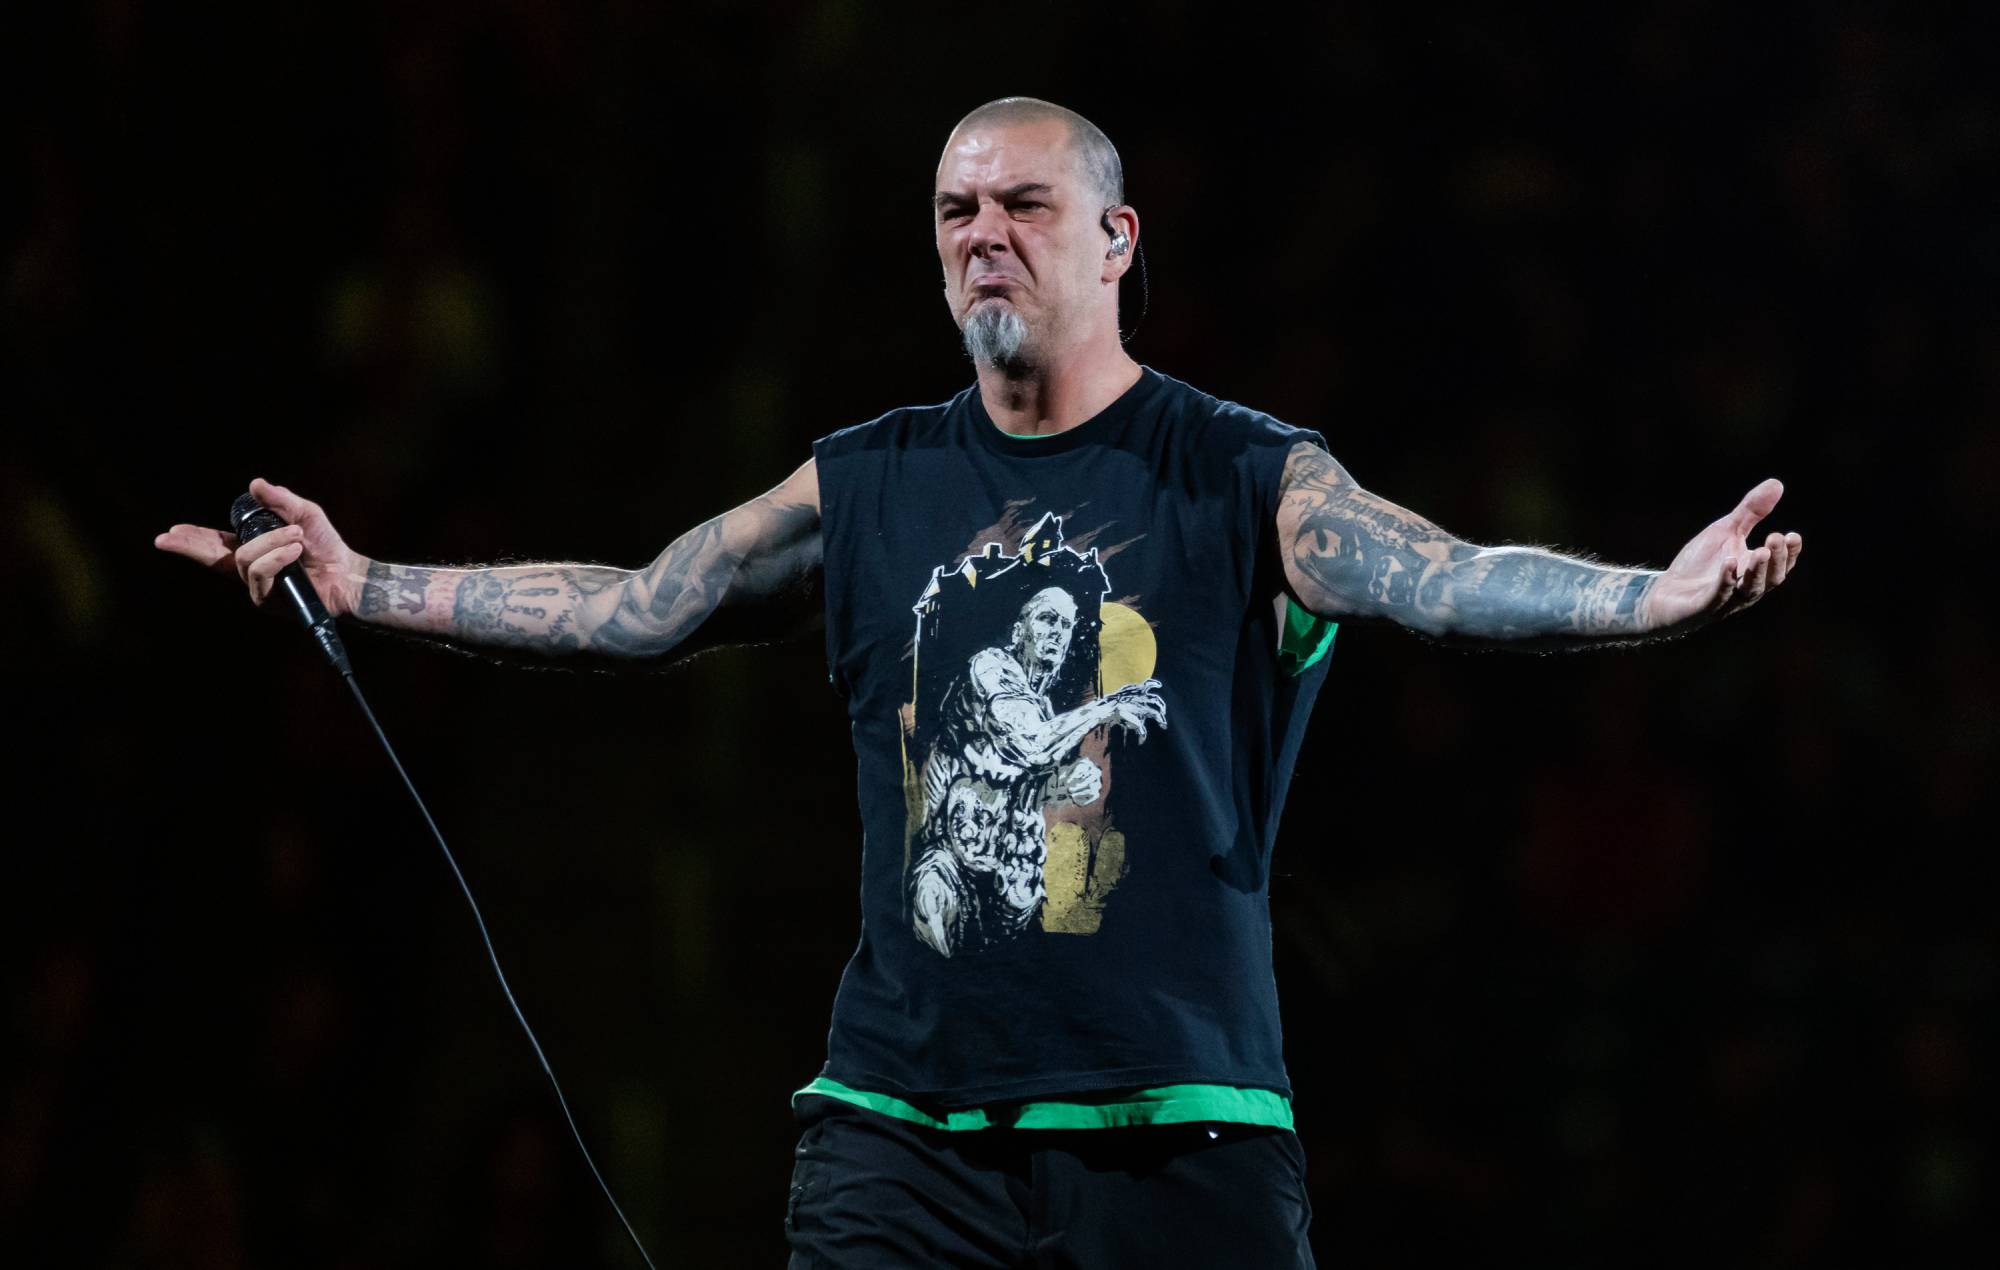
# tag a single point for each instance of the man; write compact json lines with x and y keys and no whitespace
{"x":1103,"y":1086}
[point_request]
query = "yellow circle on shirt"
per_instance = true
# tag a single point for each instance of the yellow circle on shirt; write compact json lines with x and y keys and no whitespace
{"x":1126,"y":648}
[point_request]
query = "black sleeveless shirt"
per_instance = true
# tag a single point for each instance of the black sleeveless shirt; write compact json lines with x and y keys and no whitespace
{"x":1073,"y":736}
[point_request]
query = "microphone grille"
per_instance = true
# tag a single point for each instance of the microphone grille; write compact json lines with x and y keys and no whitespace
{"x":249,"y":518}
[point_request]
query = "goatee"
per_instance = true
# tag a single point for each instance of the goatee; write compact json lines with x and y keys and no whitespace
{"x":995,"y":335}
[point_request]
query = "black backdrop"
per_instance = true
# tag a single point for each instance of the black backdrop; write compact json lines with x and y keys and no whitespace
{"x":1678,"y":955}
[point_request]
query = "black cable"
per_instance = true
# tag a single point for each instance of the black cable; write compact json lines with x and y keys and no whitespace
{"x":497,"y":972}
{"x":1145,"y":296}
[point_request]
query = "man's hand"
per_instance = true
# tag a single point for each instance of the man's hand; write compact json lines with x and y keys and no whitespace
{"x":308,"y":536}
{"x":1718,"y":573}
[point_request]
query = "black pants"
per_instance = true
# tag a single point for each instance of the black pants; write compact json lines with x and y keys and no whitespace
{"x":872,"y":1191}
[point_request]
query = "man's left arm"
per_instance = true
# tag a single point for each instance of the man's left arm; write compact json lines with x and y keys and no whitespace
{"x":1349,"y":554}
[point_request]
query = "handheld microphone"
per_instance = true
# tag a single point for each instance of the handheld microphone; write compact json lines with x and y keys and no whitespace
{"x":251,"y":519}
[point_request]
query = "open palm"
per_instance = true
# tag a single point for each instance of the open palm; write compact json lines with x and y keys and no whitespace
{"x":1718,"y":572}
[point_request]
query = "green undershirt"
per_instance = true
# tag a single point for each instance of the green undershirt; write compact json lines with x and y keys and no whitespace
{"x":1307,"y":637}
{"x":1168,"y":1104}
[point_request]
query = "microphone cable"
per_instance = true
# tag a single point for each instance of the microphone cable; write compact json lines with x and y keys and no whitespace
{"x":251,"y":519}
{"x":494,"y":957}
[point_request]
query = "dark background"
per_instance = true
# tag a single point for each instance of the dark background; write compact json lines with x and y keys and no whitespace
{"x":1680,"y":955}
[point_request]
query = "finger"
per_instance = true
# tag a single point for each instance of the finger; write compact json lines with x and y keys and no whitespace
{"x":262,"y":575}
{"x":1756,"y":505}
{"x":1737,"y":572}
{"x":261,"y":549}
{"x":206,"y":547}
{"x":1780,"y":557}
{"x":1756,"y":577}
{"x":282,"y":501}
{"x":1725,"y":588}
{"x":1795,"y":546}
{"x":257,"y":548}
{"x":187,"y":532}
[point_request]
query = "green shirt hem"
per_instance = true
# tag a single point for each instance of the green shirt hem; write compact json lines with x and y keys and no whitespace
{"x":1167,"y":1104}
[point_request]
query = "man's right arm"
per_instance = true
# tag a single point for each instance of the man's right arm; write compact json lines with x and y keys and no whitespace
{"x":748,"y":574}
{"x":752,"y":558}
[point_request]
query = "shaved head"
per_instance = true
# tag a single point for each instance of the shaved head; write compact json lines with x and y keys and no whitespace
{"x":1033,"y":234}
{"x":1096,"y":158}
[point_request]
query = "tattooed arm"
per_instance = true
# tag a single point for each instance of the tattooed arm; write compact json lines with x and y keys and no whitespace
{"x":1350,"y":554}
{"x":751,"y":573}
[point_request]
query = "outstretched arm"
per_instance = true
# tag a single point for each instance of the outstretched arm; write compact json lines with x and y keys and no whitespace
{"x":695,"y":594}
{"x":750,"y":573}
{"x":1350,"y":554}
{"x":1025,"y":737}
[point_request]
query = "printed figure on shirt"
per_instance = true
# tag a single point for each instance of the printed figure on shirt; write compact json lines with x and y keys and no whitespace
{"x":1009,"y":729}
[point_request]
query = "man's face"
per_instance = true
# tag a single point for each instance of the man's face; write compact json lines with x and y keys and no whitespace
{"x":1018,"y":226}
{"x":1042,"y":634}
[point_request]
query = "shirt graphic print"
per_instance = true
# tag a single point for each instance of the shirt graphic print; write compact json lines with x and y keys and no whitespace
{"x":1023,"y":672}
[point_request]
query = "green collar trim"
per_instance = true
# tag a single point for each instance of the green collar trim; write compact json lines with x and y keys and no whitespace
{"x":1166,"y":1104}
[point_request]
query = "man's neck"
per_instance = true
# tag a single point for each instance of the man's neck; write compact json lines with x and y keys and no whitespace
{"x":1055,"y":398}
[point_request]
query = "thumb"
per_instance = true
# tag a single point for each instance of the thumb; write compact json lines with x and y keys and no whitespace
{"x":280,"y":500}
{"x":1757,"y":504}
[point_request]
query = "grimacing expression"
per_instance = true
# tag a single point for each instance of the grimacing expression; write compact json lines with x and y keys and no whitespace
{"x":1018,"y":224}
{"x":1041,"y":636}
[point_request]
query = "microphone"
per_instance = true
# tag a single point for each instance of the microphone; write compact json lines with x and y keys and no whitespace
{"x":251,"y":519}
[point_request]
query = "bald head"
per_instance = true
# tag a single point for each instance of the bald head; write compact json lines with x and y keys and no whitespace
{"x":1033,"y":234}
{"x":1096,"y":158}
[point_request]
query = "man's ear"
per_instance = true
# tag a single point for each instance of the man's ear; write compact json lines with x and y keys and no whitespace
{"x":1121,"y":229}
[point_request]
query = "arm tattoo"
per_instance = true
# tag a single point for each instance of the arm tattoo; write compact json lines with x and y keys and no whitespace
{"x":1509,"y":593}
{"x":393,"y":587}
{"x":1350,"y":553}
{"x":665,"y":600}
{"x":764,"y":553}
{"x":531,"y":610}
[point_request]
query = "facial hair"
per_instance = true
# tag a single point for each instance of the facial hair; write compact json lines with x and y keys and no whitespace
{"x":996,"y":336}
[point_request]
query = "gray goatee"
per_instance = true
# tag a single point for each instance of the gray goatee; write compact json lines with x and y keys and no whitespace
{"x":995,"y":335}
